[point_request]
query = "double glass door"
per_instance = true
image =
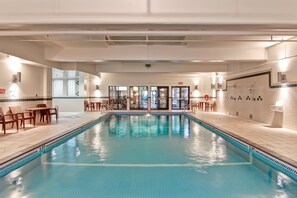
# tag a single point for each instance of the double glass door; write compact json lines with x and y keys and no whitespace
{"x":159,"y":98}
{"x":139,"y":98}
{"x":180,"y":97}
{"x":118,"y":97}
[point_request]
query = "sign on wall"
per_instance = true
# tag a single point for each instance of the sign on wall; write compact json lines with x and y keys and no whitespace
{"x":2,"y":91}
{"x":180,"y":83}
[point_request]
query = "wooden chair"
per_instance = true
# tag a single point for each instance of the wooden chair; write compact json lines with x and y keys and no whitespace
{"x":211,"y":106}
{"x":6,"y":119}
{"x":87,"y":106}
{"x":52,"y":111}
{"x":43,"y":113}
{"x":22,"y":115}
{"x":104,"y":105}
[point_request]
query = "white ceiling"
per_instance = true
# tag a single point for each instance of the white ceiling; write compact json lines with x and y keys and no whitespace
{"x":112,"y":34}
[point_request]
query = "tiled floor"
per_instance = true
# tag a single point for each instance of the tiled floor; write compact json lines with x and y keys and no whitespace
{"x":281,"y":143}
{"x":16,"y":142}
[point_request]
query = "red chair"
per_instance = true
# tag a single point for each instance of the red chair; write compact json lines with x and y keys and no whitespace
{"x":22,"y":115}
{"x":7,"y":119}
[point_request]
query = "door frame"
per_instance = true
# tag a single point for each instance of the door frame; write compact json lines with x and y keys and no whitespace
{"x":180,"y":88}
{"x":158,"y":97}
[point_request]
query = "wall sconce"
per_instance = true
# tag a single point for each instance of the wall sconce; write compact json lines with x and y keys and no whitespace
{"x":281,"y":77}
{"x":212,"y":86}
{"x":219,"y":86}
{"x":16,"y":78}
{"x":97,"y":87}
{"x":196,"y":87}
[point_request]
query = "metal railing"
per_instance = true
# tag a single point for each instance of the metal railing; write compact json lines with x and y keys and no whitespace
{"x":186,"y":107}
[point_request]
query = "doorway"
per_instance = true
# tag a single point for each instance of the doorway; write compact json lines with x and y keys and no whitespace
{"x":139,"y":98}
{"x":180,"y":97}
{"x":159,"y":98}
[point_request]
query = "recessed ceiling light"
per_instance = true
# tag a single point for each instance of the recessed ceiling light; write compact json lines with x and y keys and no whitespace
{"x":196,"y":61}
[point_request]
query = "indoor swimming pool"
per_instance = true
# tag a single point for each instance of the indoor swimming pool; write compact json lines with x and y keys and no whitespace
{"x":130,"y":156}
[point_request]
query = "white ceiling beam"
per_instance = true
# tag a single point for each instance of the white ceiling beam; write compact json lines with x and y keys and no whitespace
{"x":148,"y":33}
{"x":159,"y":68}
{"x":119,"y":53}
{"x":26,"y":51}
{"x":148,"y":12}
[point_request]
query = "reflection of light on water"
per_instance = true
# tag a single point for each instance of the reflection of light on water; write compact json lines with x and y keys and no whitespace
{"x":98,"y":144}
{"x":280,"y":182}
{"x":18,"y":181}
{"x":77,"y":152}
{"x":53,"y":154}
{"x":186,"y":133}
{"x":206,"y":147}
{"x":200,"y":170}
{"x":196,"y":130}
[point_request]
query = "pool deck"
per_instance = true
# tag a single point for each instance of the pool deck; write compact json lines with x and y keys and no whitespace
{"x":15,"y":143}
{"x":278,"y":142}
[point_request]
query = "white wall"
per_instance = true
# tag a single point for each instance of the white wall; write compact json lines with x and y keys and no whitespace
{"x":150,"y":79}
{"x":34,"y":88}
{"x":32,"y":80}
{"x":69,"y":104}
{"x":282,"y":58}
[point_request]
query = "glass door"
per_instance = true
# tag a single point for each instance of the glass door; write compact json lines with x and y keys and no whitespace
{"x":180,"y":97}
{"x":159,"y":98}
{"x":138,"y":98}
{"x":118,"y":97}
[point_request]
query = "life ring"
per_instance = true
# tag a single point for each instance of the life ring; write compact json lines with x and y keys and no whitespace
{"x":206,"y":97}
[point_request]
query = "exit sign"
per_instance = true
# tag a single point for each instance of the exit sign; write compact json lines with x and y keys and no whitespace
{"x":180,"y":83}
{"x":2,"y":91}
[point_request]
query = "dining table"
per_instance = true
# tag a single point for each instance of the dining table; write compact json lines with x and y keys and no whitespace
{"x":38,"y":109}
{"x":96,"y":105}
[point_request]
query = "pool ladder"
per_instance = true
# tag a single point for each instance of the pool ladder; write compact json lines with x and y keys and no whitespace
{"x":186,"y":108}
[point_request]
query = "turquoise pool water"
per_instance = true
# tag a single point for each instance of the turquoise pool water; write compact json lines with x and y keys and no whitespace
{"x":145,"y":156}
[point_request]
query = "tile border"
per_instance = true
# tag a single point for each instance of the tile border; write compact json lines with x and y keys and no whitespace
{"x":271,"y":86}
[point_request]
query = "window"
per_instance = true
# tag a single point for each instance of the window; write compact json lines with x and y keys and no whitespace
{"x":118,"y":97}
{"x":71,"y":88}
{"x":57,"y":87}
{"x":66,"y":83}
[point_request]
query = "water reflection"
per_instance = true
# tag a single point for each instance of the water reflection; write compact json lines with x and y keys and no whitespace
{"x":79,"y":148}
{"x":141,"y":140}
{"x":206,"y":147}
{"x":97,"y":143}
{"x":146,"y":126}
